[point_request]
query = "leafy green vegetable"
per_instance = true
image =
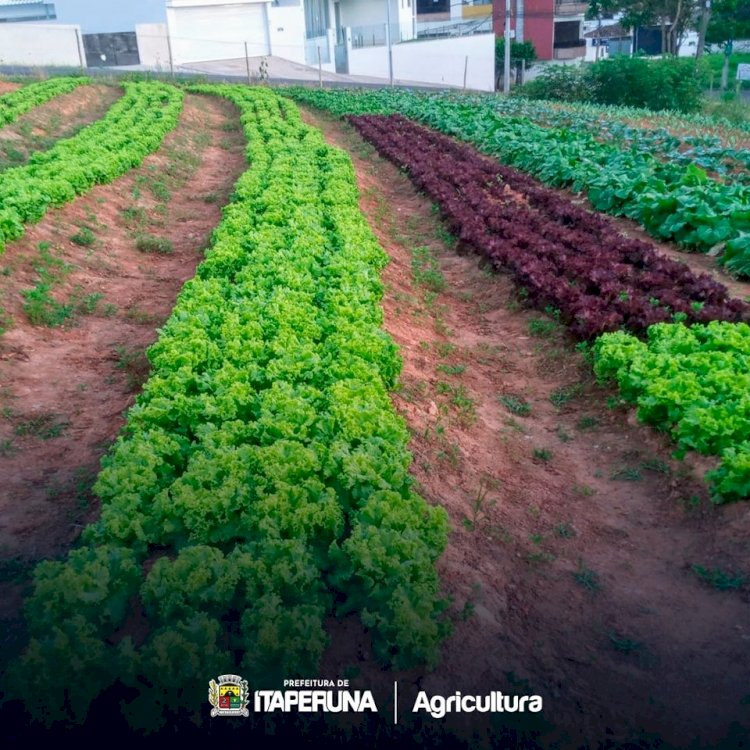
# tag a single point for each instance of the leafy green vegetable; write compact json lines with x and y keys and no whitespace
{"x":695,"y":382}
{"x":261,"y":483}
{"x":133,"y":128}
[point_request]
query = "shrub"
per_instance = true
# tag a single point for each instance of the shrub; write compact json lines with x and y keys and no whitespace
{"x":664,"y":84}
{"x":560,"y":82}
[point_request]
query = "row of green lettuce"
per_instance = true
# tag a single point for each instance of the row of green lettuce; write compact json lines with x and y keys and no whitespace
{"x":693,"y":382}
{"x":17,"y":103}
{"x":133,"y":128}
{"x":671,"y":200}
{"x":260,"y":485}
{"x":678,"y":138}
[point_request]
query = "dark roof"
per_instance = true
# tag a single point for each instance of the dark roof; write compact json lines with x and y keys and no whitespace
{"x":613,"y":31}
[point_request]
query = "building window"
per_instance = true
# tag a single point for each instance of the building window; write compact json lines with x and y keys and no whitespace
{"x":316,"y":18}
{"x":433,"y":6}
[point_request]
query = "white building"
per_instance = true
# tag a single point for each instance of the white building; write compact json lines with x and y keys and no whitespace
{"x":343,"y":36}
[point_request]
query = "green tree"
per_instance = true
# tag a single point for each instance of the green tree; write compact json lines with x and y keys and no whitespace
{"x":520,"y":53}
{"x":674,"y":17}
{"x":596,"y":10}
{"x":730,"y":20}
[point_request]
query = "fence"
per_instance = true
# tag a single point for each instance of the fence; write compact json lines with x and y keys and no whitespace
{"x":460,"y":61}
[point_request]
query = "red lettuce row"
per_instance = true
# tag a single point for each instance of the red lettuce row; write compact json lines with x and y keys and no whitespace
{"x":564,"y":256}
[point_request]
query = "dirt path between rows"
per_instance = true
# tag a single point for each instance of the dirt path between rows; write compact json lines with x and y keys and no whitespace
{"x":64,"y":389}
{"x":574,"y":532}
{"x":7,"y":86}
{"x":61,"y":117}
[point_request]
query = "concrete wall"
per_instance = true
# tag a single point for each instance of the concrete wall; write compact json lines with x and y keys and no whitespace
{"x":203,"y":30}
{"x":286,"y":27}
{"x":366,"y":12}
{"x":40,"y":44}
{"x":439,"y":61}
{"x":152,"y":45}
{"x":368,"y":18}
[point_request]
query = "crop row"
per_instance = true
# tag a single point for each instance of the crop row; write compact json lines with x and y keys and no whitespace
{"x":133,"y":128}
{"x":695,"y":383}
{"x":16,"y":103}
{"x":692,"y":381}
{"x":261,"y":482}
{"x":563,"y":255}
{"x":671,"y":200}
{"x":667,"y":141}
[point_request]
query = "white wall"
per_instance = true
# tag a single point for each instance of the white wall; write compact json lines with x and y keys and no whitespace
{"x":689,"y":44}
{"x":153,"y":48}
{"x":439,"y":61}
{"x":366,"y":13}
{"x":40,"y":44}
{"x":202,"y":30}
{"x":193,"y":3}
{"x":286,"y":26}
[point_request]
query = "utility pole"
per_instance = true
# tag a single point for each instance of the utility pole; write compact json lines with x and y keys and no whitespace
{"x":79,"y":44}
{"x":506,"y":74}
{"x":388,"y":39}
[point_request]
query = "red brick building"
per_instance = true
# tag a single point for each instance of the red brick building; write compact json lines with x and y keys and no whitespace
{"x":553,"y":26}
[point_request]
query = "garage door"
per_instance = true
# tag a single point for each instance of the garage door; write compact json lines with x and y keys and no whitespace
{"x":218,"y":32}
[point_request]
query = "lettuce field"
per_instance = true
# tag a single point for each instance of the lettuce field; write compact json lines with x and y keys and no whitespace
{"x":439,"y":390}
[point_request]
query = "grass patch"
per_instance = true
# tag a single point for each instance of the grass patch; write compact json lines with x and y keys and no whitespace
{"x":135,"y":215}
{"x":543,"y":454}
{"x":140,"y":316}
{"x":562,"y":435}
{"x":656,"y":465}
{"x":87,"y":305}
{"x":149,"y":243}
{"x":450,"y":454}
{"x":160,"y":191}
{"x":587,"y":578}
{"x":720,"y":579}
{"x":134,"y":363}
{"x":83,"y":237}
{"x":6,"y":320}
{"x":627,"y":474}
{"x":481,"y":505}
{"x":587,"y":423}
{"x":451,"y":369}
{"x":564,"y":530}
{"x":542,"y":328}
{"x":445,"y":348}
{"x":565,"y":395}
{"x":7,"y":448}
{"x":42,"y":309}
{"x":43,"y":426}
{"x":622,"y":644}
{"x":426,"y":269}
{"x":515,"y":404}
{"x":584,"y":489}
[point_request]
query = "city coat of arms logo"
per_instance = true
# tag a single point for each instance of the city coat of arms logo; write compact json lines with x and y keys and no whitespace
{"x":229,"y":696}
